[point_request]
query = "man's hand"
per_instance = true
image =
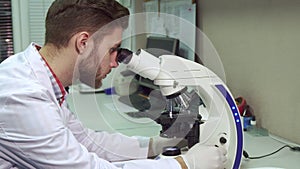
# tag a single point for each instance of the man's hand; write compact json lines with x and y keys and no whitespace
{"x":157,"y":143}
{"x":203,"y":157}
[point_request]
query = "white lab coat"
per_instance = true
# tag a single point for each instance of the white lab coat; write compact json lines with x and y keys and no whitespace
{"x":36,"y":132}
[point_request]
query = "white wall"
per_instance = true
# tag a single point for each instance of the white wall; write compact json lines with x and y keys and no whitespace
{"x":258,"y":42}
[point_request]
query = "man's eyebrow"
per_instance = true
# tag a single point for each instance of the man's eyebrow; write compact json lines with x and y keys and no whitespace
{"x":117,"y":45}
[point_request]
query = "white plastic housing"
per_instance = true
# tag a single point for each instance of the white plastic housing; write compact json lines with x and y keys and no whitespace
{"x":144,"y":64}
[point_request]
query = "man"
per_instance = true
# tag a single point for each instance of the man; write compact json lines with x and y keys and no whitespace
{"x":36,"y":128}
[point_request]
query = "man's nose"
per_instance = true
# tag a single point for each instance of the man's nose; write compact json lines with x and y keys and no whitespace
{"x":113,"y":61}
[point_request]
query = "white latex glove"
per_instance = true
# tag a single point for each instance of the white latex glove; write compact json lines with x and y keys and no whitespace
{"x":157,"y":143}
{"x":205,"y":157}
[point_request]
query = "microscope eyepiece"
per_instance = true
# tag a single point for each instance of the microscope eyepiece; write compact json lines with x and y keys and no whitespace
{"x":124,"y":55}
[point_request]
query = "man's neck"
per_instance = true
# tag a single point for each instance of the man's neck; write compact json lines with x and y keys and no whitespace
{"x":60,"y":62}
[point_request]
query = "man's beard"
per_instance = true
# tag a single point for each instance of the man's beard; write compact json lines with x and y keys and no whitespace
{"x":88,"y":68}
{"x":98,"y":83}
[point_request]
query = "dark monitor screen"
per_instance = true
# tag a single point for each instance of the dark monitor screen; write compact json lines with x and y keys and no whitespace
{"x":162,"y":45}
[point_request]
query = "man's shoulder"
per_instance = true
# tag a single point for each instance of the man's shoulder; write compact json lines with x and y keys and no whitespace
{"x":20,"y":76}
{"x":22,"y":89}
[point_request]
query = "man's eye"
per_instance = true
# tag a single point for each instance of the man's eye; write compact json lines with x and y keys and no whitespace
{"x":111,"y":50}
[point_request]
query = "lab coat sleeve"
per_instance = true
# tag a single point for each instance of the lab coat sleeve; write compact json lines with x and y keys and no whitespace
{"x":5,"y":164}
{"x":149,"y":164}
{"x":34,"y":133}
{"x":109,"y":146}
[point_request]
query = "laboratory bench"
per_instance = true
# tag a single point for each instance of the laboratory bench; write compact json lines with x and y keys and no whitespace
{"x":106,"y":112}
{"x":103,"y":112}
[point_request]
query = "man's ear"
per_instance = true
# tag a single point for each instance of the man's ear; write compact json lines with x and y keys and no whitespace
{"x":81,"y":41}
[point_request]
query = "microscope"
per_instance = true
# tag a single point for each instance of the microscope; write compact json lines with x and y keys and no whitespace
{"x":200,"y":107}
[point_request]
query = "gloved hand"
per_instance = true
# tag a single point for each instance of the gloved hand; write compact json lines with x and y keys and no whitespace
{"x":157,"y":143}
{"x":205,"y":157}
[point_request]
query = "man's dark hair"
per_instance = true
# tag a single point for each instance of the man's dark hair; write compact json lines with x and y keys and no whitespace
{"x":65,"y":18}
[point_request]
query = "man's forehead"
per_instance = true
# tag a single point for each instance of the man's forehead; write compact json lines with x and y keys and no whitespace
{"x":112,"y":37}
{"x":118,"y":31}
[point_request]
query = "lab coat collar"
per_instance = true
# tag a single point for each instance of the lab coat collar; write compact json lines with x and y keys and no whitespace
{"x":44,"y":73}
{"x":57,"y":86}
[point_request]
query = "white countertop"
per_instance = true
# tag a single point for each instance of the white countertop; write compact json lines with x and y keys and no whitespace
{"x":105,"y":112}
